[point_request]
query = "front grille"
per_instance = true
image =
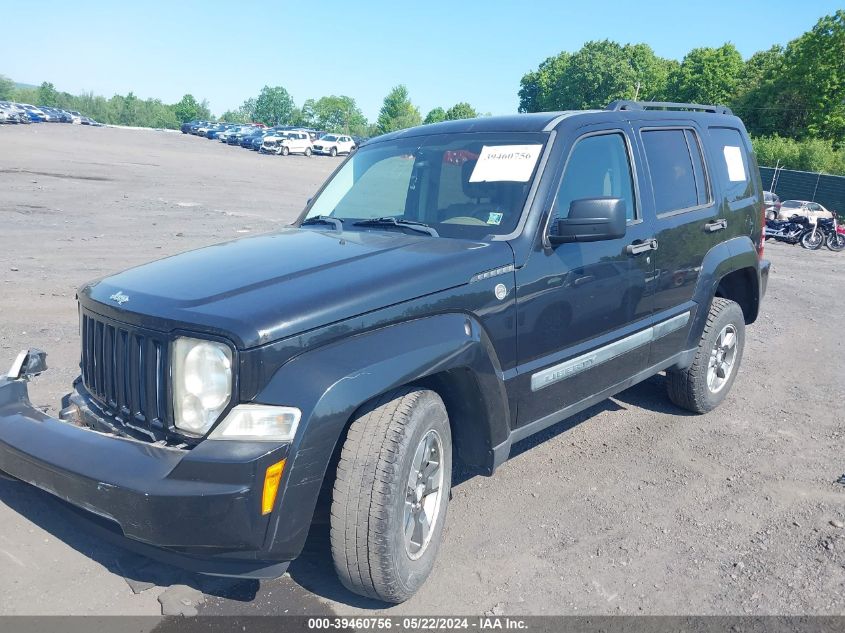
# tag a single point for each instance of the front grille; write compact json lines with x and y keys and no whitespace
{"x":125,"y":371}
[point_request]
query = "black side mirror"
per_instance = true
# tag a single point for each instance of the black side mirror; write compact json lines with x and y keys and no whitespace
{"x":591,"y":220}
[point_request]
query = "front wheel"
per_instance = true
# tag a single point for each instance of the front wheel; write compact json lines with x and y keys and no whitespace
{"x":703,"y":385}
{"x":836,"y":241}
{"x":285,"y":150}
{"x":812,"y":240}
{"x":308,"y":151}
{"x":333,"y":152}
{"x":391,"y":493}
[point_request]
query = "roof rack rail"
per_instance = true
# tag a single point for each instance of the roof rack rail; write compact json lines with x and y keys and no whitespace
{"x":625,"y":104}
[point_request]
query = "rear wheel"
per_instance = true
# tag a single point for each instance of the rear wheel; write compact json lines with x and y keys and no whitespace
{"x":391,"y":494}
{"x":703,"y":385}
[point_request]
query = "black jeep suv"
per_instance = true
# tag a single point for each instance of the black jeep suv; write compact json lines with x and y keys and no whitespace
{"x":449,"y":291}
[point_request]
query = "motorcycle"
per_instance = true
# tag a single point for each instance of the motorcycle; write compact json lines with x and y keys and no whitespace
{"x":834,"y":234}
{"x":796,"y":230}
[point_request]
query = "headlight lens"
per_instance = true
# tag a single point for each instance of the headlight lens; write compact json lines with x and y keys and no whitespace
{"x":202,"y":383}
{"x":258,"y":422}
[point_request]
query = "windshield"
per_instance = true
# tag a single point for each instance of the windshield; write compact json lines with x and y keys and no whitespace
{"x":328,"y":137}
{"x":464,"y":185}
{"x":792,"y":204}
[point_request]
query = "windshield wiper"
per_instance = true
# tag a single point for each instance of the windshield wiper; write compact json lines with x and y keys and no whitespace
{"x":337,"y":223}
{"x":403,"y":224}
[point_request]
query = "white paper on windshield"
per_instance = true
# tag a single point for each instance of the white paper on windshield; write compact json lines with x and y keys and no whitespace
{"x":736,"y":168}
{"x":505,"y":162}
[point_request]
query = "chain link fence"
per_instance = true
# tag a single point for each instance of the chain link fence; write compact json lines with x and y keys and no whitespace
{"x":788,"y":184}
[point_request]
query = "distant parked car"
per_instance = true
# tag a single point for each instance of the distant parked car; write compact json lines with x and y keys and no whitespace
{"x":772,"y":203}
{"x":10,"y":114}
{"x":49,"y":115}
{"x":334,"y":144}
{"x":23,"y":115}
{"x":205,"y":128}
{"x":35,"y":115}
{"x":186,"y":126}
{"x":297,"y":142}
{"x":234,"y":137}
{"x":222,"y":136}
{"x":55,"y":115}
{"x":811,"y":210}
{"x":272,"y":143}
{"x":247,"y":139}
{"x":195,"y":126}
{"x":213,"y":132}
{"x":258,"y":139}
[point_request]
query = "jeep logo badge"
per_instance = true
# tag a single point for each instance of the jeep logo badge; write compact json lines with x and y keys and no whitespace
{"x":119,"y":297}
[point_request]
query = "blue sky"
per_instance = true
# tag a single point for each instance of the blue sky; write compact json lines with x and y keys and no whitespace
{"x":444,"y":52}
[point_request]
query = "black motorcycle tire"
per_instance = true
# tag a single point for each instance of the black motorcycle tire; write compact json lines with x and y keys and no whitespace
{"x":809,"y":243}
{"x":835,"y":241}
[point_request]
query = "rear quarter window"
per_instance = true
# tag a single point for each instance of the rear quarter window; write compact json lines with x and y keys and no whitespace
{"x":732,"y":164}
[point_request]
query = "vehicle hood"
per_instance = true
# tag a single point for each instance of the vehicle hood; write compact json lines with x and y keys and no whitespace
{"x":261,"y":289}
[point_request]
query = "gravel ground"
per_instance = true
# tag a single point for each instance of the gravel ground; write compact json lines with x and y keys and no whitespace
{"x":639,"y":509}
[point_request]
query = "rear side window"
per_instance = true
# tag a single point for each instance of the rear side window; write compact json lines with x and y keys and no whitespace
{"x":732,"y":161}
{"x":678,"y":175}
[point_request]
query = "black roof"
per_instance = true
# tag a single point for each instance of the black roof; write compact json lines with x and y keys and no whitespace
{"x":545,"y":121}
{"x":532,"y":122}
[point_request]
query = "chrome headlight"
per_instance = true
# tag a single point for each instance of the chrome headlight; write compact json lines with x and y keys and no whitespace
{"x":202,"y":383}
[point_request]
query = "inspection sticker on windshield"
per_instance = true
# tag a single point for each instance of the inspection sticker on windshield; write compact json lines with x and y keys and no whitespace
{"x":513,"y":163}
{"x":736,"y":168}
{"x":495,"y":218}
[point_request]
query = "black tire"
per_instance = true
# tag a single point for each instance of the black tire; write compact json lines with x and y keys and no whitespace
{"x":812,"y":243}
{"x":333,"y":152}
{"x":368,"y":516}
{"x":285,"y":150}
{"x":690,"y":388}
{"x":308,"y":151}
{"x":835,"y":241}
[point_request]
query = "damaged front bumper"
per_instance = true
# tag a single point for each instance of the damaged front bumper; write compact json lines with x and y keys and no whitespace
{"x":198,"y":508}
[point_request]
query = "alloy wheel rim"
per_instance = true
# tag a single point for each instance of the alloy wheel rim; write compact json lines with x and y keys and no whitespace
{"x":423,"y":494}
{"x":722,"y":359}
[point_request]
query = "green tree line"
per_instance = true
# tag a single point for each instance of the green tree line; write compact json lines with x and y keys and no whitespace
{"x":791,"y":99}
{"x":272,"y":106}
{"x":118,"y":110}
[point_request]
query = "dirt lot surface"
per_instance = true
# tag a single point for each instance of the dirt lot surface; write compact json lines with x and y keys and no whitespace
{"x":638,"y":509}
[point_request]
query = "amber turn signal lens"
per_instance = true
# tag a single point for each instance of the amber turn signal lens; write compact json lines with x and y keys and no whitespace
{"x":271,"y":486}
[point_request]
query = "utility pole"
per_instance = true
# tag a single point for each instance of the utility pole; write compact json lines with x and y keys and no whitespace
{"x":637,"y":92}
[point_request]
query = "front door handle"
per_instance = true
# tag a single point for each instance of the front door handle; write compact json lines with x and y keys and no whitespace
{"x":716,"y":225}
{"x":641,"y":247}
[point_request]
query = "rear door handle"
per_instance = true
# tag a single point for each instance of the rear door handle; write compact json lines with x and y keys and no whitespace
{"x":716,"y":225}
{"x":641,"y":247}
